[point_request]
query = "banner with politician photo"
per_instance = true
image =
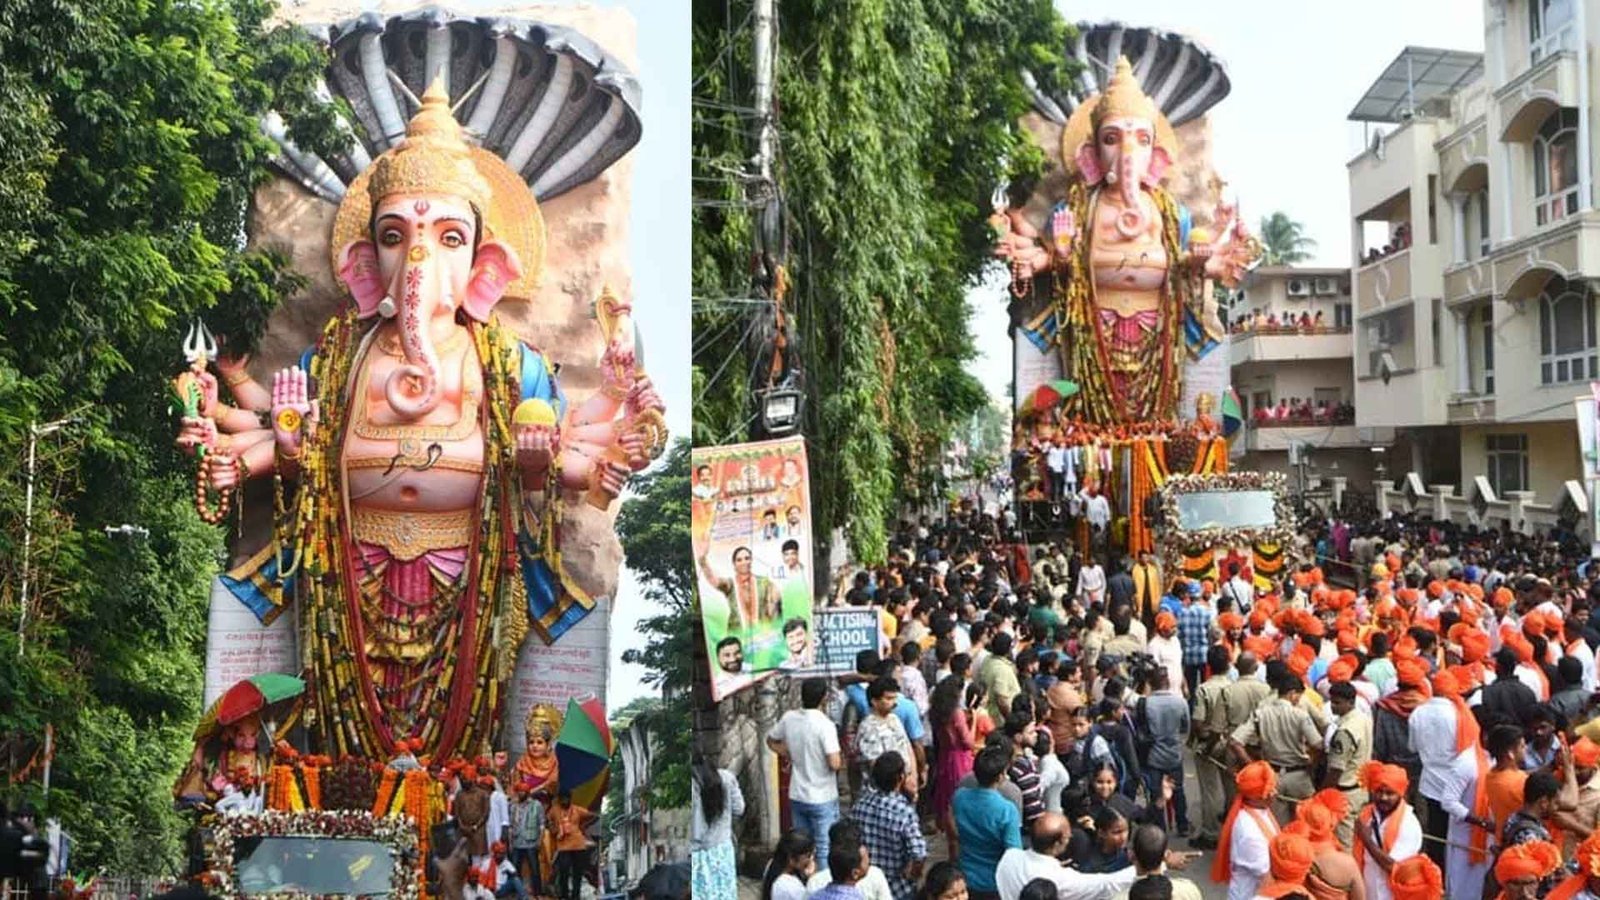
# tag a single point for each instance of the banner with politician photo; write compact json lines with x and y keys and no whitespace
{"x":751,"y":522}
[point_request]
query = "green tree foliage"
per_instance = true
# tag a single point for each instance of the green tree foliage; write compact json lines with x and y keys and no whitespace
{"x":898,"y":118}
{"x":129,"y":148}
{"x":1284,"y":241}
{"x":654,"y":529}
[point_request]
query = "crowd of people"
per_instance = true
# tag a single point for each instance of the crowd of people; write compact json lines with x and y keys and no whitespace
{"x":1399,"y":239}
{"x":1426,"y":726}
{"x":1270,"y":322}
{"x":1303,"y":411}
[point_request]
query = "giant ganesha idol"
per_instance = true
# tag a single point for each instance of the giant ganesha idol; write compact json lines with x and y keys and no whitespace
{"x":421,"y":454}
{"x":1130,"y":305}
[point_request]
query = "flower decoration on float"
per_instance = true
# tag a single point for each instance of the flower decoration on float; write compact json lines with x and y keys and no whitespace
{"x":396,"y":833}
{"x":1281,"y":532}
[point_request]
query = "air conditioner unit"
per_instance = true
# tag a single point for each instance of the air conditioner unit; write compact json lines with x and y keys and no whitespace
{"x":1299,"y":287}
{"x":1327,"y":287}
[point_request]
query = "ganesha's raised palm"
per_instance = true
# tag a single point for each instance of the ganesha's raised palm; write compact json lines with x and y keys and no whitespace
{"x":292,"y":410}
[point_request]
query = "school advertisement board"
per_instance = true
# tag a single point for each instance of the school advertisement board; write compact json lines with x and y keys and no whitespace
{"x":751,"y":524}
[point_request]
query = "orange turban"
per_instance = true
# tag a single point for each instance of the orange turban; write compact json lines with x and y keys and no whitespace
{"x":1256,"y":782}
{"x":1445,"y":684}
{"x":1466,"y":677}
{"x":1502,"y":597}
{"x":1318,"y":821}
{"x":1435,"y":589}
{"x":1261,"y":645}
{"x":1346,"y":640}
{"x":1475,"y":590}
{"x":1259,"y":618}
{"x":1521,"y":646}
{"x":1299,"y":662}
{"x":1310,"y":624}
{"x":1166,"y":620}
{"x":1586,"y":754}
{"x":1334,"y":801}
{"x":1411,"y":672}
{"x":1535,"y":859}
{"x":1587,"y":856}
{"x":1416,"y":878}
{"x":1405,"y":648}
{"x":1379,"y":776}
{"x":1341,"y":669}
{"x":1533,"y":624}
{"x":1386,"y":609}
{"x":1291,"y":857}
{"x":1230,"y":621}
{"x":1474,"y":646}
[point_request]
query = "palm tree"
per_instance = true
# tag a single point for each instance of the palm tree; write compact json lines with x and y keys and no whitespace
{"x":1284,"y":241}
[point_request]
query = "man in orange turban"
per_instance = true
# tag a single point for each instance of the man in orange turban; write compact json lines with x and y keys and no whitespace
{"x":1334,"y":874}
{"x":1417,"y":878}
{"x":1585,"y":883}
{"x":1585,"y":763}
{"x":1527,"y":671}
{"x":1290,"y":857}
{"x":1386,"y":830}
{"x":1522,"y":868}
{"x":1243,"y":855}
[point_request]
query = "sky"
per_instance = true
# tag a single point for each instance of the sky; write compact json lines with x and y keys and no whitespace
{"x":659,"y":253}
{"x":1281,"y":138}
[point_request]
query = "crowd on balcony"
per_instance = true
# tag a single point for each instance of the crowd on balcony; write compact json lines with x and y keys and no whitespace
{"x":1258,"y":322}
{"x":1399,"y":239}
{"x":1302,"y":412}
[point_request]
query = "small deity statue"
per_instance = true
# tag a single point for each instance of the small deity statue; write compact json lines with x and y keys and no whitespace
{"x":242,"y":757}
{"x":1205,"y":427}
{"x":538,"y":767}
{"x":1130,"y":300}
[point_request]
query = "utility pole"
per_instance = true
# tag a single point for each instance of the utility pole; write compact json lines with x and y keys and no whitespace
{"x":35,"y":431}
{"x":768,"y":134}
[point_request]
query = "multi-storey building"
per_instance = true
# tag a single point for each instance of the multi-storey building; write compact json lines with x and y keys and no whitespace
{"x":1475,"y":240}
{"x":1290,"y":347}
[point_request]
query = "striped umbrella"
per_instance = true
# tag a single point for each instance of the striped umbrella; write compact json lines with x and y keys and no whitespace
{"x":583,"y":750}
{"x":1232,"y":413}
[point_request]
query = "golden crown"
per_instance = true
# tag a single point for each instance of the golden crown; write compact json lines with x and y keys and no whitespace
{"x":434,"y":158}
{"x":1123,"y":98}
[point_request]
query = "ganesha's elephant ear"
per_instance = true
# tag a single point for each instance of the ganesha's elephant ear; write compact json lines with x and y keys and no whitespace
{"x":358,"y":269}
{"x":494,"y":268}
{"x":1088,"y":162}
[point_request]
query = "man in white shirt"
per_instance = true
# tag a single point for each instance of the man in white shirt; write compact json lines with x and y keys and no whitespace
{"x":1055,"y":459}
{"x":1047,"y":841}
{"x":1240,"y":591}
{"x":1579,"y":649}
{"x":1432,"y":730}
{"x":810,"y":741}
{"x":1166,"y":649}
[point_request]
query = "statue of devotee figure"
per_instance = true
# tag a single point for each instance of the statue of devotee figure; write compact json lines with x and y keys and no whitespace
{"x":538,"y":767}
{"x":422,"y":453}
{"x":1131,"y":303}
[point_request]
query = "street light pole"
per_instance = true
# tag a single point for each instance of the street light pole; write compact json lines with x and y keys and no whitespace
{"x":35,"y":431}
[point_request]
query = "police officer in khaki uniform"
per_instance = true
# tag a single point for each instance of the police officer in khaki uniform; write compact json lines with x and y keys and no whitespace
{"x":1209,"y":738}
{"x":1239,"y":702}
{"x":1288,"y":741}
{"x":1349,"y":748}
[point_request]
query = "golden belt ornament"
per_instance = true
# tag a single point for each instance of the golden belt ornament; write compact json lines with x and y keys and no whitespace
{"x":408,"y":534}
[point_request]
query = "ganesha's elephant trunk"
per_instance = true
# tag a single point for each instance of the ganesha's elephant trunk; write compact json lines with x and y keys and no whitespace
{"x":413,"y":387}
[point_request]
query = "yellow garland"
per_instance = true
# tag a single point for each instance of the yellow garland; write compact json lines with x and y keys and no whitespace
{"x":380,"y":803}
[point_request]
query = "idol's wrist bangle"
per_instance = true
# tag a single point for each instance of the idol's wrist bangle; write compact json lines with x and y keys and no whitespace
{"x":236,"y":379}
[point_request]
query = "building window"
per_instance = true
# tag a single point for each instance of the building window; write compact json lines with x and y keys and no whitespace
{"x":1555,"y":167}
{"x":1507,"y":456}
{"x":1486,"y":314}
{"x":1549,"y":25}
{"x":1343,"y":316}
{"x":1480,"y":200}
{"x":1566,"y":334}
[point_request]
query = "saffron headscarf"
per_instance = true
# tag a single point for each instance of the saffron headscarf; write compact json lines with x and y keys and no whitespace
{"x":1586,"y":754}
{"x":1416,"y":878}
{"x":1257,"y":782}
{"x":1334,"y":801}
{"x":1535,"y":859}
{"x":1375,"y":776}
{"x":1318,"y":822}
{"x":1291,"y":857}
{"x":1587,"y":856}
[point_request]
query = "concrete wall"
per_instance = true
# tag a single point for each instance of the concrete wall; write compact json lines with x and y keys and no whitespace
{"x":1553,"y":456}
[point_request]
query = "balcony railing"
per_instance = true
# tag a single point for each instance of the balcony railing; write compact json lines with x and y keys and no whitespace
{"x":1240,"y":329}
{"x":1342,"y":415}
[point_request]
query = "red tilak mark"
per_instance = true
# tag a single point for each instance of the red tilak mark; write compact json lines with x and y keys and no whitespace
{"x":421,"y":206}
